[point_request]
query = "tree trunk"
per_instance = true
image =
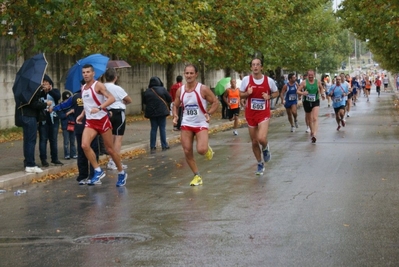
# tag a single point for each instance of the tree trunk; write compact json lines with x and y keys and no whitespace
{"x":170,"y":80}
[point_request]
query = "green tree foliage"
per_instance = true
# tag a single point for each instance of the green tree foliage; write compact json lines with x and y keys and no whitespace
{"x":377,"y":23}
{"x":218,"y":33}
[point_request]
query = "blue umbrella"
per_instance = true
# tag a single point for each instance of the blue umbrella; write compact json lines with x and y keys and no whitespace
{"x":74,"y":77}
{"x":29,"y":79}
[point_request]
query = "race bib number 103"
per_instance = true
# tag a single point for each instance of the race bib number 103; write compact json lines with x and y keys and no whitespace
{"x":191,"y":110}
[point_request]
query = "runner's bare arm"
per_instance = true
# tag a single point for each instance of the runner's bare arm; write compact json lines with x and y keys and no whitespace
{"x":225,"y":97}
{"x":244,"y":95}
{"x":210,"y":97}
{"x":80,"y":117}
{"x":300,"y":91}
{"x":176,"y":105}
{"x":274,"y":94}
{"x":321,"y":90}
{"x":127,"y":100}
{"x":282,"y":93}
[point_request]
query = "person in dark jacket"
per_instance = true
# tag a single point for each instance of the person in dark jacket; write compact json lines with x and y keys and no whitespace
{"x":30,"y":115}
{"x":48,"y":129}
{"x":68,"y":118}
{"x":157,"y":99}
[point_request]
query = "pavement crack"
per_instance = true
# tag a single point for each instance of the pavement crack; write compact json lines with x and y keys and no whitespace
{"x":296,"y":195}
{"x":307,"y":197}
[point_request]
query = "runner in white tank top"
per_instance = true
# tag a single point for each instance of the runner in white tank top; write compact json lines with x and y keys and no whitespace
{"x":96,"y":99}
{"x":193,"y":108}
{"x":195,"y":122}
{"x":91,"y":100}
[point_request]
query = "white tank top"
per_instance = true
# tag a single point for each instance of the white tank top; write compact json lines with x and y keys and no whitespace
{"x":194,"y":107}
{"x":92,"y":100}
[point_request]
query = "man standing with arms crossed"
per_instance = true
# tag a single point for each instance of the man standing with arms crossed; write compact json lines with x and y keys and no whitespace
{"x":193,"y":96}
{"x":94,"y":94}
{"x":232,"y":98}
{"x":258,"y":89}
{"x":311,"y":89}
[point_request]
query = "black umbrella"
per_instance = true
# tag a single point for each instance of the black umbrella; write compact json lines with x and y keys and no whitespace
{"x":29,"y":79}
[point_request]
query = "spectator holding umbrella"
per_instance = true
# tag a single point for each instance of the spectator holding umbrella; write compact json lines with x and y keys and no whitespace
{"x":27,"y":93}
{"x":31,"y":114}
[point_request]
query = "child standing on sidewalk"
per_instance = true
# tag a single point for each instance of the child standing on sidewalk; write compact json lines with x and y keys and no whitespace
{"x":67,"y":125}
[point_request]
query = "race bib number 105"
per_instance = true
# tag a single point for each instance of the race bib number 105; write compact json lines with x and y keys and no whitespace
{"x":258,"y":104}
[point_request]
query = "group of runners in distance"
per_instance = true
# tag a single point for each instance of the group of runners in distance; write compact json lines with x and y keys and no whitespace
{"x":255,"y":93}
{"x":341,"y":92}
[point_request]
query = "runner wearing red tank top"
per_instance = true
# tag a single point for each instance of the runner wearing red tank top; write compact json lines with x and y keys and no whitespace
{"x":96,"y":99}
{"x":258,"y":89}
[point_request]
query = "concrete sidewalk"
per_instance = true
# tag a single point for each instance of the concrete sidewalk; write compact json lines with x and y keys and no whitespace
{"x":137,"y":136}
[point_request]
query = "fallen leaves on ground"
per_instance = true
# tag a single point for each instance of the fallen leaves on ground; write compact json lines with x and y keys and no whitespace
{"x":74,"y":171}
{"x":63,"y":174}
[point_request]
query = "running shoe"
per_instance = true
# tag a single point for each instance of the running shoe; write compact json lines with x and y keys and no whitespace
{"x":261,"y":169}
{"x":343,"y":123}
{"x":296,"y":124}
{"x":292,"y":129}
{"x":339,"y":127}
{"x":266,"y":154}
{"x":308,"y":130}
{"x":196,"y":181}
{"x":121,"y":179}
{"x":313,"y":140}
{"x":96,"y":179}
{"x":209,"y":153}
{"x":235,"y":132}
{"x":84,"y":181}
{"x":111,"y":165}
{"x":347,"y":115}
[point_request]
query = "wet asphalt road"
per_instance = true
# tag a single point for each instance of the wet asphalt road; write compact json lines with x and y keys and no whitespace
{"x":330,"y":204}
